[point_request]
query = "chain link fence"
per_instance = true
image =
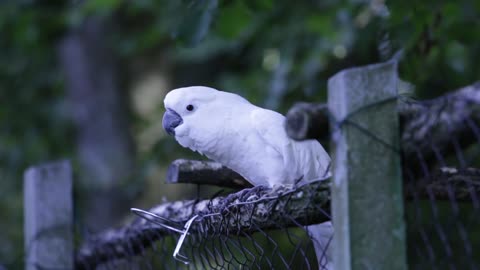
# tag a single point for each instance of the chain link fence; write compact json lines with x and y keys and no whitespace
{"x":259,"y":228}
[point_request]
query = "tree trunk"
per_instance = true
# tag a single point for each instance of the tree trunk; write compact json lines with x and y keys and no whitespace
{"x":99,"y":113}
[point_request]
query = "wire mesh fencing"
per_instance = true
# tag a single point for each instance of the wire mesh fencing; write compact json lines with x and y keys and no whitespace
{"x":266,"y":229}
{"x":442,"y":180}
{"x":255,"y":228}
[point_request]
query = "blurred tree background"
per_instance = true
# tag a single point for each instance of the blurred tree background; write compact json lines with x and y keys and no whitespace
{"x":85,"y":80}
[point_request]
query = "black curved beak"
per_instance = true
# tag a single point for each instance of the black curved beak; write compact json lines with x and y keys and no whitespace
{"x":171,"y":120}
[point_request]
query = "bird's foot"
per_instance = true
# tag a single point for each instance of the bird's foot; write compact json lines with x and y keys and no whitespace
{"x":253,"y":193}
{"x":247,"y":194}
{"x":281,"y":188}
{"x":298,"y":180}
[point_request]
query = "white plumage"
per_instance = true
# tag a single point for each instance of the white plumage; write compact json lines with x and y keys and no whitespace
{"x":246,"y":138}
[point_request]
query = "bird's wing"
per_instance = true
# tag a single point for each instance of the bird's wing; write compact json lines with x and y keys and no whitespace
{"x":269,"y":126}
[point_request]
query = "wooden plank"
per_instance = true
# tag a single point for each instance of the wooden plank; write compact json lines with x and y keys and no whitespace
{"x":48,"y":216}
{"x":367,"y":203}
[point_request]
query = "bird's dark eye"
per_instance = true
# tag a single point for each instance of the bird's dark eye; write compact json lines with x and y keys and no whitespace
{"x":190,"y":107}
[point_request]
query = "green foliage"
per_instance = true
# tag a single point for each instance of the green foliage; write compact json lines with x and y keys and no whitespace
{"x":272,"y":52}
{"x":439,"y":37}
{"x":33,"y":126}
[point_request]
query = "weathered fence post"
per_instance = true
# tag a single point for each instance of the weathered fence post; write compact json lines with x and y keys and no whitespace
{"x":367,"y":204}
{"x":48,"y":216}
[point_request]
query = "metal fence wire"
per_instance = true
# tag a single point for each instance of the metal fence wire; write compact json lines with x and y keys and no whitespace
{"x":266,"y":229}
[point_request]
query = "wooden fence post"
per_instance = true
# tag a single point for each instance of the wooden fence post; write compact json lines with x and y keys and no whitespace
{"x":367,"y":202}
{"x":48,"y":216}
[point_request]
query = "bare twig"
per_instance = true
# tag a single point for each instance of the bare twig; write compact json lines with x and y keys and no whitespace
{"x":204,"y":173}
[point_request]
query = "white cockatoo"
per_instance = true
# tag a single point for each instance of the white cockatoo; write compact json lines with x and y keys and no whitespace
{"x":250,"y":140}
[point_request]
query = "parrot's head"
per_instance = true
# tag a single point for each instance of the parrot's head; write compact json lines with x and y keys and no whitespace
{"x":197,"y":115}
